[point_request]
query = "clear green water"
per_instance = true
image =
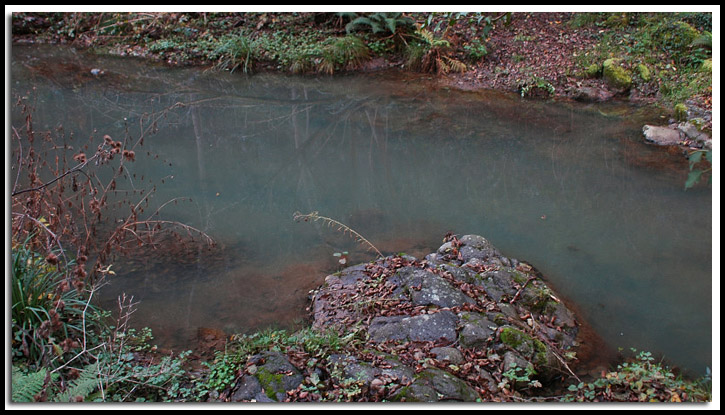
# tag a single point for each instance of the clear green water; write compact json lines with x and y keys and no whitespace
{"x":566,"y":187}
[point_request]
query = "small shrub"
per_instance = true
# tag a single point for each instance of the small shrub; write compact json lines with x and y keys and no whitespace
{"x":130,"y":370}
{"x":344,"y":52}
{"x":675,"y":38}
{"x":476,"y":50}
{"x":431,"y":54}
{"x":536,"y":87}
{"x":48,"y":311}
{"x":235,"y":51}
{"x":640,"y":380}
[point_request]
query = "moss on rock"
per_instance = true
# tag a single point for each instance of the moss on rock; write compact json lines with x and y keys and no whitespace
{"x":644,"y":72}
{"x":615,"y":75}
{"x":681,"y":112}
{"x":531,"y":349}
{"x":706,"y":66}
{"x":272,"y":383}
{"x":593,"y":71}
{"x":538,"y":299}
{"x":514,"y":338}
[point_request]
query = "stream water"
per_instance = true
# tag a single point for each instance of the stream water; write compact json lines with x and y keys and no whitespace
{"x":570,"y":188}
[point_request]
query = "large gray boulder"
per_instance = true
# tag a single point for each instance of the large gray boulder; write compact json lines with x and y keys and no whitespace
{"x":463,"y":303}
{"x":663,"y":136}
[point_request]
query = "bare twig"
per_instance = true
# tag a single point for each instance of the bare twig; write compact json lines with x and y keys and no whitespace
{"x":44,"y":185}
{"x":85,"y":348}
{"x":518,"y":293}
{"x":315,"y":216}
{"x":561,"y":360}
{"x":20,"y":157}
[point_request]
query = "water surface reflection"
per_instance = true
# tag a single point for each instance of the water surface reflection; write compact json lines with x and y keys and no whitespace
{"x":567,"y":187}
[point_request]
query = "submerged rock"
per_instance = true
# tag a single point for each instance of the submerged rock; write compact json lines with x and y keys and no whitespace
{"x":663,"y":136}
{"x":677,"y":134}
{"x":591,"y":94}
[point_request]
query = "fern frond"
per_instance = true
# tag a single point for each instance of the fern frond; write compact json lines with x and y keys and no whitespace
{"x":390,"y":23}
{"x":341,"y":227}
{"x":427,"y":35}
{"x":86,"y":383}
{"x":26,"y":386}
{"x":441,"y":65}
{"x":705,"y":39}
{"x":455,"y":65}
{"x":431,"y":40}
{"x":362,"y":20}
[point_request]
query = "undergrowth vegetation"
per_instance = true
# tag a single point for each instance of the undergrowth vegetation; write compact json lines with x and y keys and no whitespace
{"x":318,"y":42}
{"x":67,"y":227}
{"x":641,"y":379}
{"x":671,"y":52}
{"x":117,"y":363}
{"x":65,"y":349}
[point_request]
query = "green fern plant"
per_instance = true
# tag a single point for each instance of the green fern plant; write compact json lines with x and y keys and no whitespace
{"x":432,"y":54}
{"x":315,"y":216}
{"x":82,"y":387}
{"x":536,"y":86}
{"x":380,"y":22}
{"x":26,"y":386}
{"x":704,"y":40}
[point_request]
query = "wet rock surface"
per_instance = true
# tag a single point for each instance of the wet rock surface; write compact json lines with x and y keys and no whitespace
{"x":685,"y":134}
{"x":463,"y":324}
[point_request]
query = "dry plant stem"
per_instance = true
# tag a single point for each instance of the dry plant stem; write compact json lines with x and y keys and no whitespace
{"x":20,"y":157}
{"x":56,"y":240}
{"x":315,"y":216}
{"x":117,"y":340}
{"x":189,"y":229}
{"x":561,"y":360}
{"x":85,"y":344}
{"x":518,"y":293}
{"x":73,"y":170}
{"x":125,"y":309}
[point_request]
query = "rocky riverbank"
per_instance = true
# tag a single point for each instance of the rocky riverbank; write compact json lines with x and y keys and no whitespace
{"x":465,"y":323}
{"x":643,"y":58}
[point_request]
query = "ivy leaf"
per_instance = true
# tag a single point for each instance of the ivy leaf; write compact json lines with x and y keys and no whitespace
{"x":692,"y":178}
{"x":695,"y":158}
